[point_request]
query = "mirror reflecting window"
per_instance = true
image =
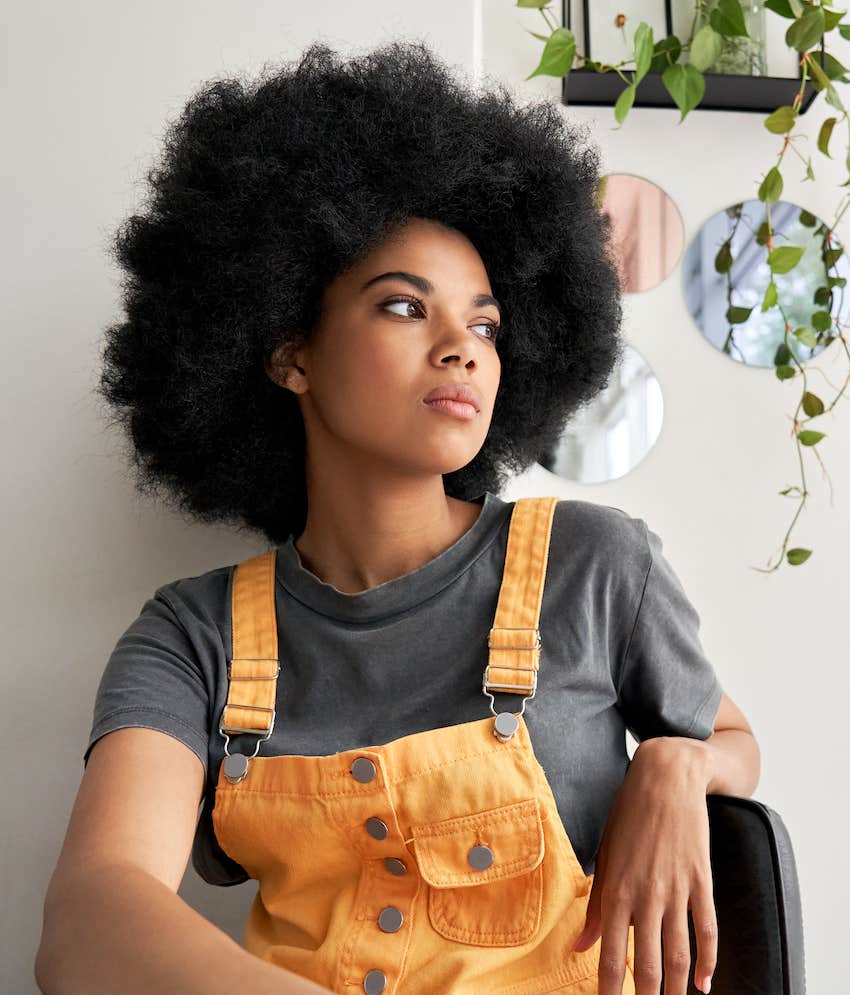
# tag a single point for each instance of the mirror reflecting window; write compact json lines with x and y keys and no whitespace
{"x":614,"y":432}
{"x":725,"y":275}
{"x":647,"y":234}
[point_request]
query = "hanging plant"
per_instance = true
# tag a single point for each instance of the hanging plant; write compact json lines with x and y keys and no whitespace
{"x":718,"y":30}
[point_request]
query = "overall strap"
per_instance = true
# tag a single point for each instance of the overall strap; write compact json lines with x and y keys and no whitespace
{"x":254,"y":667}
{"x":514,"y":640}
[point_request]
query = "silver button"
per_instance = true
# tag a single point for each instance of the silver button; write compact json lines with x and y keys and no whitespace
{"x":363,"y":769}
{"x":505,"y":726}
{"x":235,"y":767}
{"x":390,"y":919}
{"x":376,"y":828}
{"x":374,"y":982}
{"x":395,"y":866}
{"x":480,"y":857}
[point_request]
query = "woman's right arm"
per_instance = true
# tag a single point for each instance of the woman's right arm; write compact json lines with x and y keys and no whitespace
{"x":113,"y":921}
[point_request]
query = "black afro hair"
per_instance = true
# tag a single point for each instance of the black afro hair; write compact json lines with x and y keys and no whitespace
{"x":267,"y":190}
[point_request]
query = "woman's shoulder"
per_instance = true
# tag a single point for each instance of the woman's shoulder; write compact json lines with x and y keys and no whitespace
{"x":601,"y":531}
{"x":199,"y":592}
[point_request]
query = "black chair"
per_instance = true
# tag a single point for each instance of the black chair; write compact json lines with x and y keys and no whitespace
{"x":757,"y":902}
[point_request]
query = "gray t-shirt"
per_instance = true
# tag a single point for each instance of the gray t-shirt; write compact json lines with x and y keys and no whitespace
{"x":620,"y":649}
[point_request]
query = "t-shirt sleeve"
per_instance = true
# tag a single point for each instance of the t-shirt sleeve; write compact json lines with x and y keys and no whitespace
{"x":667,"y":686}
{"x":153,"y":680}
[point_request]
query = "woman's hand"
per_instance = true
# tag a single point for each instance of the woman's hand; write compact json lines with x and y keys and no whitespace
{"x":653,"y":864}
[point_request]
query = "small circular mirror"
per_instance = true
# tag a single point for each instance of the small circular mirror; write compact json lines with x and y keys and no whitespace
{"x":726,"y":275}
{"x":647,"y":234}
{"x":611,"y":434}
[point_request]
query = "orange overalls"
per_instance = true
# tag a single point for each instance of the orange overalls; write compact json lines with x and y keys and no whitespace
{"x":435,"y":863}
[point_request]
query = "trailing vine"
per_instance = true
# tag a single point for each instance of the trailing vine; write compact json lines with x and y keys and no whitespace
{"x":681,"y":65}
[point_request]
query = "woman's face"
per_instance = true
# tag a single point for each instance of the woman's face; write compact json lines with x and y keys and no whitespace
{"x":385,"y":341}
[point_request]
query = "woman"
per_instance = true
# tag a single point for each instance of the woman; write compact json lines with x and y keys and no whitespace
{"x":360,"y":296}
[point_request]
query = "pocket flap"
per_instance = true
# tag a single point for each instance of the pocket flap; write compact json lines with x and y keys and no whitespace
{"x":513,"y":833}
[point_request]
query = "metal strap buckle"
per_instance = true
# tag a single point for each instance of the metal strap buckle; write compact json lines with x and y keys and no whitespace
{"x":513,"y":687}
{"x":238,"y":730}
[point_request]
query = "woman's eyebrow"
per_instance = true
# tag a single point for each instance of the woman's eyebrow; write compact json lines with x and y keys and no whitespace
{"x":479,"y":300}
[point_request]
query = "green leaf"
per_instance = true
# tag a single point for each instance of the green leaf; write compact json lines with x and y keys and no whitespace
{"x":534,"y":34}
{"x":785,"y":372}
{"x":781,"y":120}
{"x":806,"y":336}
{"x":727,"y":19}
{"x":825,"y":134}
{"x":558,"y":54}
{"x":837,"y":281}
{"x":831,"y":66}
{"x":812,"y":404}
{"x":784,"y":258}
{"x":705,"y":48}
{"x":667,"y":51}
{"x":723,"y":260}
{"x":783,"y":355}
{"x":832,"y":18}
{"x":770,"y":297}
{"x":808,"y":437}
{"x":781,"y":7}
{"x":624,"y":103}
{"x":643,"y":51}
{"x":822,"y":296}
{"x":771,"y":186}
{"x":789,"y":490}
{"x":686,"y":86}
{"x":537,"y":4}
{"x":798,"y":555}
{"x":819,"y":77}
{"x":821,"y":321}
{"x":844,"y":31}
{"x":737,"y":315}
{"x":807,"y":218}
{"x":807,"y":30}
{"x":809,"y":172}
{"x":762,"y":233}
{"x":831,"y":257}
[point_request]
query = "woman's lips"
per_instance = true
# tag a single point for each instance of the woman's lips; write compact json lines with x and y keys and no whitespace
{"x":459,"y":409}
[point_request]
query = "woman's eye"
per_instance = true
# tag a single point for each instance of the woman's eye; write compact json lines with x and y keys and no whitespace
{"x":404,"y":303}
{"x":494,"y":329}
{"x":407,"y":302}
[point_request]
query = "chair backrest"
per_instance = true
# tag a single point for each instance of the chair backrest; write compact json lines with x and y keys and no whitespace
{"x":757,"y":902}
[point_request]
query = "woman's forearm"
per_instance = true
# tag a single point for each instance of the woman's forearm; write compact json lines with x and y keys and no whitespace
{"x":125,"y":931}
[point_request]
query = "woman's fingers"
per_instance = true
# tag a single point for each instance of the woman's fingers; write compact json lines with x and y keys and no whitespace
{"x":704,"y":915}
{"x":677,"y":947}
{"x":612,"y":954}
{"x":647,"y":962}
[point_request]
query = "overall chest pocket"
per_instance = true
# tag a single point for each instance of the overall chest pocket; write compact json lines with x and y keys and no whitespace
{"x":484,"y":873}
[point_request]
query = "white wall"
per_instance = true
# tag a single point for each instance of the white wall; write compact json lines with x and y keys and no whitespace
{"x":86,"y":93}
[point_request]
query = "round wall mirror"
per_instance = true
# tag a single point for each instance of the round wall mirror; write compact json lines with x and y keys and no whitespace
{"x":647,"y":234}
{"x":609,"y":436}
{"x":725,"y":276}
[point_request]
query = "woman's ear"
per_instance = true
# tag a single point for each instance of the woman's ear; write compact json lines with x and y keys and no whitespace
{"x":282,"y":367}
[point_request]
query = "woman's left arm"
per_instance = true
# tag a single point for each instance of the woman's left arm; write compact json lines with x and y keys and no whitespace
{"x":654,"y":862}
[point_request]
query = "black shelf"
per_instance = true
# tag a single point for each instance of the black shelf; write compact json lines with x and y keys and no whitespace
{"x":723,"y":91}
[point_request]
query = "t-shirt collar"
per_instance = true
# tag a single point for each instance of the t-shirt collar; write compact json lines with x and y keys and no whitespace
{"x":401,"y":593}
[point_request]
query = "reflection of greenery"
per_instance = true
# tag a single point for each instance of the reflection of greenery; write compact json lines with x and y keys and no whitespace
{"x":681,"y":65}
{"x":815,"y":260}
